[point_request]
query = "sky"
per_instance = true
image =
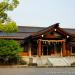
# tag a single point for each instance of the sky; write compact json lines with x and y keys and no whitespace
{"x":44,"y":13}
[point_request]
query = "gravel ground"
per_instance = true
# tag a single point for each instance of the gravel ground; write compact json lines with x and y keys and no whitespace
{"x":38,"y":71}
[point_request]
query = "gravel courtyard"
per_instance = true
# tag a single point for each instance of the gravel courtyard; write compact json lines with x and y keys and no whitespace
{"x":38,"y":71}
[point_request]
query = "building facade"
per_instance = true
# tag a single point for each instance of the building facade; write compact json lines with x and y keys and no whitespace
{"x":40,"y":41}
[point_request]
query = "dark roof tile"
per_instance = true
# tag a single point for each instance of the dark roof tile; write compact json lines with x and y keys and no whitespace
{"x":29,"y":29}
{"x":25,"y":31}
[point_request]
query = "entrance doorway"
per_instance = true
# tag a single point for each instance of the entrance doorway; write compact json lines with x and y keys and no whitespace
{"x":58,"y":48}
{"x":44,"y":50}
{"x":53,"y":48}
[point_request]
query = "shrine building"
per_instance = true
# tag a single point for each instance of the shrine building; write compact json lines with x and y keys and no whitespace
{"x":44,"y":41}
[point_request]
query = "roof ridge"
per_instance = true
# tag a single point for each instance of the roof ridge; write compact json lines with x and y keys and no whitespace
{"x":45,"y":29}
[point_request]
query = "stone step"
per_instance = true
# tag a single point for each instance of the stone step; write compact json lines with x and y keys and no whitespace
{"x":51,"y":61}
{"x":39,"y":62}
{"x":58,"y":62}
{"x":70,"y":60}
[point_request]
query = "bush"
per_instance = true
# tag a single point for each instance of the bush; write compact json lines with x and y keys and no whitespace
{"x":9,"y":51}
{"x":22,"y":62}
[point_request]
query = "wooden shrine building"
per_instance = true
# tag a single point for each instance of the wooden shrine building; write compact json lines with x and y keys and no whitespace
{"x":41,"y":41}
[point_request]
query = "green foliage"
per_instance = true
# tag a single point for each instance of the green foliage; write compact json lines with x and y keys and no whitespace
{"x":6,"y":24}
{"x":9,"y":50}
{"x":7,"y":5}
{"x":9,"y":27}
{"x":9,"y":47}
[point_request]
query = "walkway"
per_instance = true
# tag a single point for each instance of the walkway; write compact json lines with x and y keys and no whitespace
{"x":38,"y":71}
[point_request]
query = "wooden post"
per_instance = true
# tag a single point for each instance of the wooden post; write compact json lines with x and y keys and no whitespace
{"x":39,"y":48}
{"x":61,"y":49}
{"x":61,"y":52}
{"x":29,"y":49}
{"x":64,"y":49}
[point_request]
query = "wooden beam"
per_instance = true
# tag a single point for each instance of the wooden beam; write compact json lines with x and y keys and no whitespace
{"x":54,"y":40}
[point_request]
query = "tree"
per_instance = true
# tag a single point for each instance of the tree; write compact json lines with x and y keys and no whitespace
{"x":10,"y":27}
{"x":5,"y":21}
{"x":9,"y":51}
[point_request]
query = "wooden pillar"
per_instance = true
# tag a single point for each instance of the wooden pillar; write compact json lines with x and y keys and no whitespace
{"x":64,"y":49}
{"x":39,"y":48}
{"x":68,"y":49}
{"x":61,"y":52}
{"x":29,"y":49}
{"x":61,"y":49}
{"x":47,"y":49}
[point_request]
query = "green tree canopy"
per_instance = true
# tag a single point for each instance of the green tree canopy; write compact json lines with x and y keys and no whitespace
{"x":5,"y":21}
{"x":10,"y":27}
{"x":9,"y":49}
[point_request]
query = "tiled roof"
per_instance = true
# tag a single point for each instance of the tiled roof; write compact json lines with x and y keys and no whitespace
{"x":30,"y":29}
{"x":72,"y":31}
{"x":25,"y":31}
{"x":36,"y":29}
{"x":15,"y":35}
{"x":52,"y":29}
